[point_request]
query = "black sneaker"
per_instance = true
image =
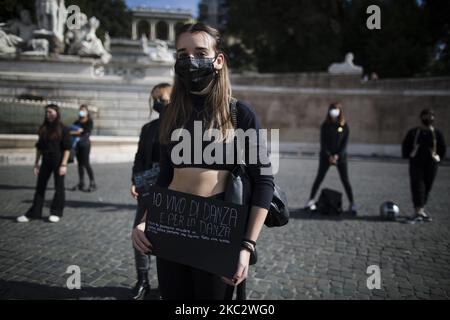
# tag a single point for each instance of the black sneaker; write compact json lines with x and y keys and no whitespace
{"x":417,"y":218}
{"x":92,"y":187}
{"x":78,"y":187}
{"x":426,"y":217}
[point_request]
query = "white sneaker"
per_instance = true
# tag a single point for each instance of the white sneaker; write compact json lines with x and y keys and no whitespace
{"x":311,"y":205}
{"x":54,"y":219}
{"x":23,"y":219}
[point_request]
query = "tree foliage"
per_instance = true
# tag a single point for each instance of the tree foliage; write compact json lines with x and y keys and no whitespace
{"x":309,"y":35}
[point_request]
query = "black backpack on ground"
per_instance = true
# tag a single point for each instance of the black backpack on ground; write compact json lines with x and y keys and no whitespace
{"x":330,"y":202}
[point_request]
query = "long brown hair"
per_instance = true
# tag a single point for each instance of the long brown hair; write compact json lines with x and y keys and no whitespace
{"x":51,"y":130}
{"x":341,"y":117}
{"x":217,"y":101}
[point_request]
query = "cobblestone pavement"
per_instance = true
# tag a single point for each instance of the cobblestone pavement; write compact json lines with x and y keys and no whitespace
{"x":313,"y":257}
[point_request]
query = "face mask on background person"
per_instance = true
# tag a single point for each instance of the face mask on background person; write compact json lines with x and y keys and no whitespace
{"x":334,"y":113}
{"x":196,"y":73}
{"x":428,"y":120}
{"x":82,"y":114}
{"x":158,"y":105}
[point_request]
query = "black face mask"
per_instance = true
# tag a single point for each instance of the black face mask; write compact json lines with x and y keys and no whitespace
{"x":196,"y":73}
{"x":428,"y":120}
{"x":158,"y":105}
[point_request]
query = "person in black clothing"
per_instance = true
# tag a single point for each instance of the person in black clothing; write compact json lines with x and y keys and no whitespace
{"x":83,"y":149}
{"x":334,"y":135}
{"x":53,"y":145}
{"x":424,"y":146}
{"x":202,"y":97}
{"x":147,"y":158}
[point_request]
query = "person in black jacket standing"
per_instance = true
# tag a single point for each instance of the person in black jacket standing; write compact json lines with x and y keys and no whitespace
{"x":147,"y":158}
{"x":334,"y":135}
{"x":424,"y":146}
{"x":83,"y":149}
{"x":54,"y":147}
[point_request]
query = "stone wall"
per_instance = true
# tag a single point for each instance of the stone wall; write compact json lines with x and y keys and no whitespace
{"x":379,"y":113}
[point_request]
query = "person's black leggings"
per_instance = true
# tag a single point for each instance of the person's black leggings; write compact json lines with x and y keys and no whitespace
{"x":342,"y":168}
{"x":182,"y":282}
{"x":50,"y":164}
{"x":421,"y":178}
{"x":83,"y":154}
{"x":142,"y":260}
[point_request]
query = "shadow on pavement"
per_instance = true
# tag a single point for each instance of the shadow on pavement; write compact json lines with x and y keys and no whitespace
{"x":32,"y":291}
{"x":106,"y":206}
{"x":10,"y":187}
{"x":303,"y":214}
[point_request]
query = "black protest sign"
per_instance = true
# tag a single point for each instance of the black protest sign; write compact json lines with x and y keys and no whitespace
{"x":200,"y":232}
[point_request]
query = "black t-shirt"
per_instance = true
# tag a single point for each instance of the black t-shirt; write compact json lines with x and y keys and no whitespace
{"x":148,"y":148}
{"x":425,"y":145}
{"x":333,"y":139}
{"x":87,"y":130}
{"x":262,"y":183}
{"x":55,"y":146}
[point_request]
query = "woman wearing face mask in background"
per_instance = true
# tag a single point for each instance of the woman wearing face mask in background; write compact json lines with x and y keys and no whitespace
{"x":202,"y":92}
{"x":83,"y":149}
{"x":424,"y":146}
{"x":147,"y":158}
{"x":334,"y":135}
{"x":54,"y":147}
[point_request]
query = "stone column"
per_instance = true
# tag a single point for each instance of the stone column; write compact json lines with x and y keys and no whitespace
{"x":134,"y":30}
{"x":152,"y":30}
{"x":171,"y":31}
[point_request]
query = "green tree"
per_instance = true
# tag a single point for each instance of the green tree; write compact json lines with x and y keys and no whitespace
{"x":400,"y":49}
{"x":288,"y":36}
{"x":308,"y":35}
{"x":438,"y":24}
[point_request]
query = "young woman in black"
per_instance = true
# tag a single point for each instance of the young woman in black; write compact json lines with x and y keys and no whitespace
{"x":147,"y":158}
{"x":334,"y":135}
{"x":202,"y":92}
{"x":424,"y":146}
{"x":83,"y":149}
{"x":54,"y":147}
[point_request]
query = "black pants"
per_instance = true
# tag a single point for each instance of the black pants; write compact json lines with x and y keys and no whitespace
{"x":421,"y":177}
{"x":50,"y":164}
{"x":142,"y":260}
{"x":342,"y":167}
{"x":83,"y":154}
{"x":181,"y":282}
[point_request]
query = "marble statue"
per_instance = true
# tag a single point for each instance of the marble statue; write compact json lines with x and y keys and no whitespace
{"x":9,"y":43}
{"x":51,"y":17}
{"x":161,"y":53}
{"x":23,"y":27}
{"x":346,"y":67}
{"x":84,"y":42}
{"x":107,"y":42}
{"x":74,"y":37}
{"x":38,"y":47}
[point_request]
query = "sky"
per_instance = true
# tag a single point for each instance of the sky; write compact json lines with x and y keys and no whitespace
{"x":183,"y":4}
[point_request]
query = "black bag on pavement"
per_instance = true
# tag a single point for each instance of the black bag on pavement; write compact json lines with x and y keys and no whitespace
{"x":330,"y":202}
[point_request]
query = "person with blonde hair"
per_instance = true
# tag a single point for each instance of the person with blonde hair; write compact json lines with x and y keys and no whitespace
{"x":202,"y":94}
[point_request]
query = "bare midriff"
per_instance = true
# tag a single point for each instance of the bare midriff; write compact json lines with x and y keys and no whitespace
{"x":199,"y":181}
